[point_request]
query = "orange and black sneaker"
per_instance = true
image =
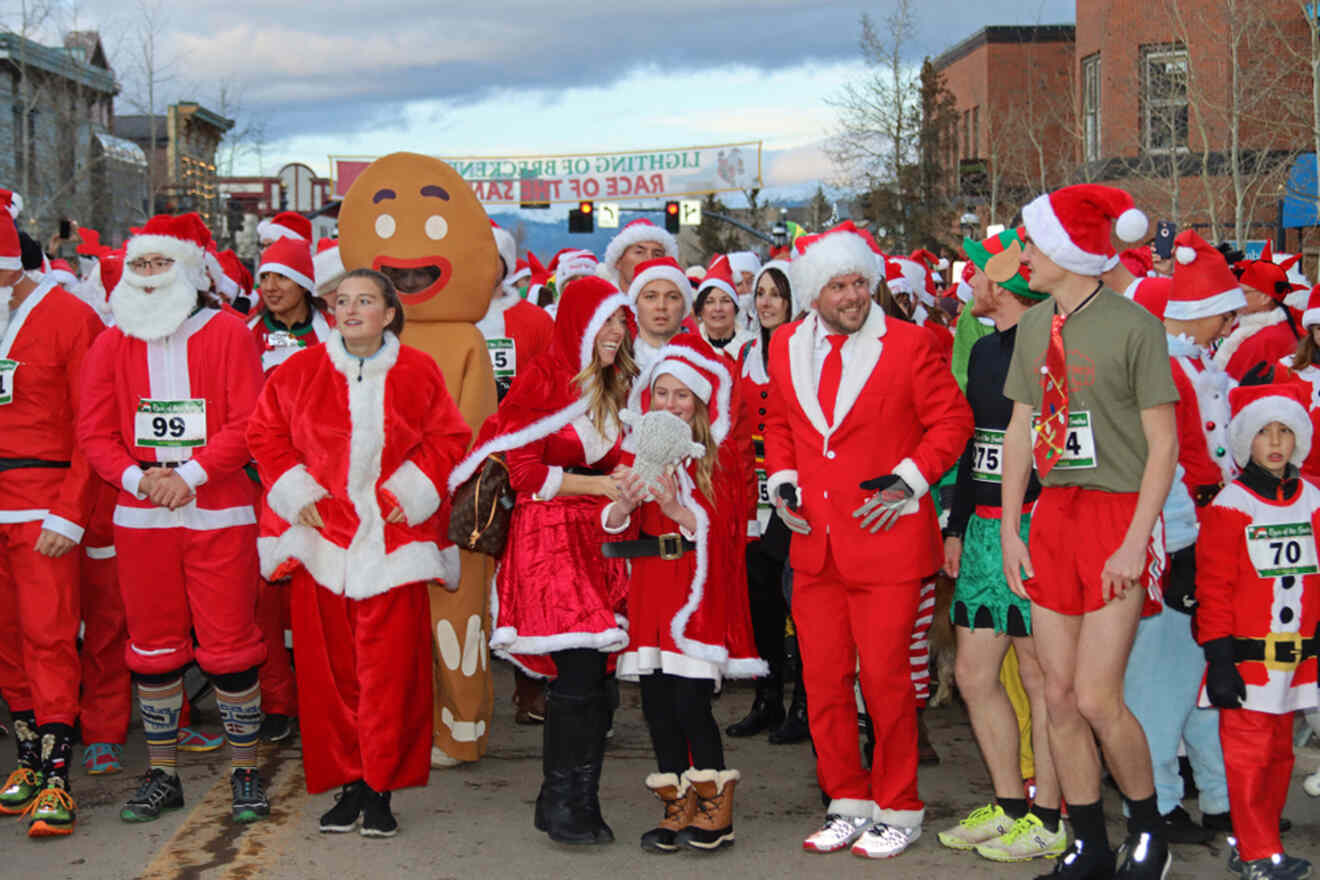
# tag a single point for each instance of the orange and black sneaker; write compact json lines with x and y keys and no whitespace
{"x":52,"y":812}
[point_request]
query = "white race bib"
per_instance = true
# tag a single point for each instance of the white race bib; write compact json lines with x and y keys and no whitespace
{"x":988,"y":455}
{"x":762,"y":490}
{"x":7,"y":371}
{"x":1078,"y":446}
{"x":1282,"y":549}
{"x":170,"y":423}
{"x":282,"y":339}
{"x":503,"y":357}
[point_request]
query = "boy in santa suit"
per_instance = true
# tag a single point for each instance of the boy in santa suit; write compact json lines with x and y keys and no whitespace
{"x":1264,"y":330}
{"x":1164,"y":669}
{"x":854,"y":394}
{"x":166,"y":397}
{"x":1094,"y":407}
{"x":1259,"y":614}
{"x":46,"y":494}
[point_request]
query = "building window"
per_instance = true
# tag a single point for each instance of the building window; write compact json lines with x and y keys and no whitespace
{"x":976,"y":131}
{"x":1091,"y":107}
{"x":1164,"y":98}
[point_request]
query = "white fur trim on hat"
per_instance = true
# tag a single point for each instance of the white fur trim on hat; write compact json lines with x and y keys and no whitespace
{"x":685,"y":373}
{"x":719,"y":426}
{"x":508,"y":248}
{"x":1244,"y":427}
{"x":665,"y":273}
{"x":833,"y":254}
{"x":294,"y":275}
{"x":1310,"y":318}
{"x":1048,"y":234}
{"x":1189,"y":310}
{"x":191,"y":258}
{"x":328,"y":267}
{"x":796,"y":305}
{"x":607,"y":307}
{"x":269,"y":230}
{"x":743,"y":261}
{"x":723,"y":285}
{"x":631,"y":235}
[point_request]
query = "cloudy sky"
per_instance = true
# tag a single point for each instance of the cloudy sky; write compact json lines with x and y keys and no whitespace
{"x":526,"y":76}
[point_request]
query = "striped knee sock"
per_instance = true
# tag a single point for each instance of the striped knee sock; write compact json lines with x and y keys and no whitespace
{"x":241,"y":714}
{"x":160,"y":705}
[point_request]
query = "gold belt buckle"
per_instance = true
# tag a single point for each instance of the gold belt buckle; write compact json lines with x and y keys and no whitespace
{"x":1283,"y":651}
{"x":671,"y":545}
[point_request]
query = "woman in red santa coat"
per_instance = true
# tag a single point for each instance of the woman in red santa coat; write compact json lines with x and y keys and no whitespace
{"x":355,"y":439}
{"x":558,"y":602}
{"x":689,"y":625}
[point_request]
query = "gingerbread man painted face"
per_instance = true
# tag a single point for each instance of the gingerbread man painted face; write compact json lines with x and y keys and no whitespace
{"x":415,"y":219}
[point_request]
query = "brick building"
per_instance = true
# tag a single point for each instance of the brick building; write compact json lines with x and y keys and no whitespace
{"x":181,"y":147}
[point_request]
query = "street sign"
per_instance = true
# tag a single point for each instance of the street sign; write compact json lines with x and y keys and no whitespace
{"x":1253,"y":248}
{"x":607,"y":215}
{"x":689,"y":212}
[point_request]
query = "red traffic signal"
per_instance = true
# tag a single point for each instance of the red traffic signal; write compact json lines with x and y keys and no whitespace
{"x":671,"y":217}
{"x":580,"y":219}
{"x":584,"y":207}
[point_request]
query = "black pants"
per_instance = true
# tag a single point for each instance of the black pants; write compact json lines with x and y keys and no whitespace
{"x":766,"y":597}
{"x":683,"y":729}
{"x":581,"y":673}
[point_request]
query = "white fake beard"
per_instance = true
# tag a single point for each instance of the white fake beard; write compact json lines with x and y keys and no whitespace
{"x":6,"y":295}
{"x":155,"y":315}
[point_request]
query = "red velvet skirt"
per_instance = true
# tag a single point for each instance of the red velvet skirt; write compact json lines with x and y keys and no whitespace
{"x":554,"y":590}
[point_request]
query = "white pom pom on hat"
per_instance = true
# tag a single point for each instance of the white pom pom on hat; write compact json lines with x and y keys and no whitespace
{"x":1185,"y":255}
{"x":1131,"y":225}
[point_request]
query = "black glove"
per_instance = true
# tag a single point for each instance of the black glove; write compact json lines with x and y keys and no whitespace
{"x":788,"y":492}
{"x":1180,"y":581}
{"x":1223,"y":683}
{"x":1206,"y":494}
{"x":786,"y":500}
{"x":1261,"y":373}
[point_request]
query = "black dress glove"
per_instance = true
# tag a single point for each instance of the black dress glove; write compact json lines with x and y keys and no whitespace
{"x":1223,"y":683}
{"x":788,"y":492}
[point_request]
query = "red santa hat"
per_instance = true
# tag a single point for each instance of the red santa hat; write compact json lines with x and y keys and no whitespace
{"x":842,"y":250}
{"x":327,"y":266}
{"x":286,"y":224}
{"x":1075,"y":226}
{"x":508,"y":248}
{"x":62,"y":273}
{"x":1138,"y":261}
{"x":1255,"y":406}
{"x":235,"y":271}
{"x":570,"y":263}
{"x":11,"y":250}
{"x":522,"y":269}
{"x":183,"y":238}
{"x":743,"y":261}
{"x":636,"y":231}
{"x":662,"y":269}
{"x":1153,"y":295}
{"x":720,"y":274}
{"x":904,"y":275}
{"x":110,"y":265}
{"x":1311,"y":317}
{"x":934,"y":265}
{"x":1203,"y":285}
{"x":695,"y":273}
{"x":538,"y":278}
{"x":292,"y":259}
{"x":1265,"y":275}
{"x":690,"y":359}
{"x":963,"y":289}
{"x":11,"y":202}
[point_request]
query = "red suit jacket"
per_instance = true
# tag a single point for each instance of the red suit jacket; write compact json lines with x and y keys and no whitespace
{"x":898,"y":411}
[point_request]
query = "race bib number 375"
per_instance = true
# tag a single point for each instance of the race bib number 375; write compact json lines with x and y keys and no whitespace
{"x":170,"y":423}
{"x":1282,"y":549}
{"x":7,"y":370}
{"x":988,"y":455}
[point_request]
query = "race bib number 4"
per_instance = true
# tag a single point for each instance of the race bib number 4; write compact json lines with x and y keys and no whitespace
{"x":503,"y":357}
{"x":1282,"y":549}
{"x":1079,"y":445}
{"x":988,"y":455}
{"x":7,"y":371}
{"x":170,"y":423}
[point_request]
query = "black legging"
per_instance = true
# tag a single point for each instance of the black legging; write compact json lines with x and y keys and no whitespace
{"x":581,"y":673}
{"x":765,"y":595}
{"x":683,"y":729}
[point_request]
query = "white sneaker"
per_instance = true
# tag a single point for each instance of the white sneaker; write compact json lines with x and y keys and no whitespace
{"x":441,"y":760}
{"x":884,"y":841}
{"x":1311,"y":785}
{"x":837,"y":833}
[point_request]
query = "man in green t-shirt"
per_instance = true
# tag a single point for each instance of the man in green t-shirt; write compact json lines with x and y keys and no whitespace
{"x":1094,"y":407}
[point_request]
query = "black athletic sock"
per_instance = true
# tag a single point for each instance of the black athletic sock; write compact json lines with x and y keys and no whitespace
{"x":1048,"y":817}
{"x":26,"y":740}
{"x":1088,"y":822}
{"x":1015,"y":808}
{"x":1143,"y":815}
{"x":56,"y":751}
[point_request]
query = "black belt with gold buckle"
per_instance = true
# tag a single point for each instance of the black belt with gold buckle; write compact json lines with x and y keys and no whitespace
{"x":1282,"y":651}
{"x":668,"y":546}
{"x":13,"y":464}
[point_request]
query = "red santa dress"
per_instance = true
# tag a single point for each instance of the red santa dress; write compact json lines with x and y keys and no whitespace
{"x":358,"y":437}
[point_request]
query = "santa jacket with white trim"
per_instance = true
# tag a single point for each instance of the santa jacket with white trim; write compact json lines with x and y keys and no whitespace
{"x":357,"y":436}
{"x":49,"y":336}
{"x":211,"y":356}
{"x":529,"y":326}
{"x":898,"y":410}
{"x":1202,"y":415}
{"x":277,"y":343}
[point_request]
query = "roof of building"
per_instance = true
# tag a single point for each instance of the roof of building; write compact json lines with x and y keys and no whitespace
{"x":70,"y":63}
{"x":138,"y":128}
{"x":998,"y":33}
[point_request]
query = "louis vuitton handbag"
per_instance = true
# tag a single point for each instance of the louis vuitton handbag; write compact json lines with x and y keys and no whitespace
{"x":482,"y":507}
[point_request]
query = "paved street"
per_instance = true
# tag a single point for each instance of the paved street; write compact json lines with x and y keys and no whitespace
{"x":476,"y":822}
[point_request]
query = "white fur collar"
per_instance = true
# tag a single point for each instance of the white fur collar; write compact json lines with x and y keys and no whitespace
{"x":356,"y":368}
{"x":152,"y":316}
{"x":1247,"y":326}
{"x":6,"y":294}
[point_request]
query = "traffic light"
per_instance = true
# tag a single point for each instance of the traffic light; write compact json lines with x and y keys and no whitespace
{"x":671,"y":217}
{"x":580,"y":218}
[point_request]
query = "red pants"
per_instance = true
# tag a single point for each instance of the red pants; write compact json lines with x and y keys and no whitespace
{"x":38,"y":627}
{"x":106,"y":688}
{"x":839,"y":623}
{"x":364,"y":685}
{"x":279,"y":692}
{"x":1258,"y":761}
{"x":179,"y":581}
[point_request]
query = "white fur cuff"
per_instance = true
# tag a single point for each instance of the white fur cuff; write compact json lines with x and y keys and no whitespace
{"x":605,"y":521}
{"x":907,"y":469}
{"x":61,"y":526}
{"x":416,"y":493}
{"x":779,"y":478}
{"x":294,"y":490}
{"x":554,"y":480}
{"x":192,"y":473}
{"x":130,"y":479}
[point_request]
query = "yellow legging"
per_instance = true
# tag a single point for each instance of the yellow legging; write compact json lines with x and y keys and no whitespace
{"x":1012,"y":681}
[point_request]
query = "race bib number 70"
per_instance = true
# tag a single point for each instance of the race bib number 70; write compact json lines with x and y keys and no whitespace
{"x":1282,"y":549}
{"x":170,"y":423}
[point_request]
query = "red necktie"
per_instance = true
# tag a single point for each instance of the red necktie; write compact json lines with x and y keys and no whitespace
{"x":1052,"y":431}
{"x":830,"y":374}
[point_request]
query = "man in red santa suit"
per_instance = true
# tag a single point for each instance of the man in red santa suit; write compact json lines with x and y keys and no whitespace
{"x":166,"y":396}
{"x":1265,"y":330}
{"x":864,"y":415}
{"x":46,"y":495}
{"x":636,"y":243}
{"x":515,"y":330}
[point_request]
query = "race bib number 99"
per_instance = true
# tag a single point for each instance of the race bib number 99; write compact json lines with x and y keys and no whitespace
{"x":170,"y":423}
{"x":988,"y":455}
{"x":7,"y":371}
{"x":1282,"y":549}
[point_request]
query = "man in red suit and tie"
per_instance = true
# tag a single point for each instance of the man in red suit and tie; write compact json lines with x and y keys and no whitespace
{"x":865,"y":416}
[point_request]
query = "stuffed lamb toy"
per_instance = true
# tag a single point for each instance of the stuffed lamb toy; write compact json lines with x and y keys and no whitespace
{"x":661,"y":441}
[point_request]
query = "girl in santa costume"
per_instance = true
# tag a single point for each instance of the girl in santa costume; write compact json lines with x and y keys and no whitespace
{"x":166,"y":397}
{"x":687,"y":627}
{"x":355,"y":439}
{"x":558,"y":602}
{"x":1259,"y":611}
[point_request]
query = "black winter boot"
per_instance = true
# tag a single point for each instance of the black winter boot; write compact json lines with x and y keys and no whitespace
{"x":767,"y":710}
{"x":795,"y":728}
{"x":568,"y":807}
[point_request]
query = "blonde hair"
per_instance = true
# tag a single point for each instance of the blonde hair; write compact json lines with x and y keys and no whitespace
{"x":606,"y":388}
{"x":1307,"y":354}
{"x":701,"y":434}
